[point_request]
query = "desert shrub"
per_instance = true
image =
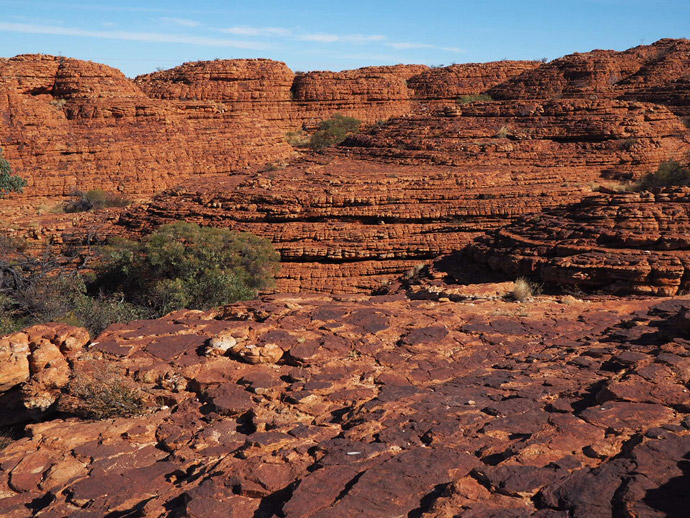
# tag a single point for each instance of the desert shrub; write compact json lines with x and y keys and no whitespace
{"x":503,"y":132}
{"x":297,"y":138}
{"x":97,"y":312}
{"x":670,"y":173}
{"x":9,"y":182}
{"x":333,"y":131}
{"x":524,"y":289}
{"x":94,"y":200}
{"x":40,"y":288}
{"x":180,"y":266}
{"x":183,"y":265}
{"x":102,"y":394}
{"x":468,"y":99}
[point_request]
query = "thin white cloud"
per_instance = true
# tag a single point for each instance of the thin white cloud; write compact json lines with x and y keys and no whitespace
{"x":149,"y":37}
{"x":257,"y":31}
{"x":403,"y":45}
{"x":184,"y":22}
{"x":336,"y":38}
{"x":408,"y":46}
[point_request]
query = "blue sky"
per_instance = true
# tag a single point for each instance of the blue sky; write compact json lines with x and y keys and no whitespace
{"x":141,"y":36}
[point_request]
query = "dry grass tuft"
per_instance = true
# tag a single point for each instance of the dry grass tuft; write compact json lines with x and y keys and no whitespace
{"x":297,"y":138}
{"x":523,"y":290}
{"x":101,"y":394}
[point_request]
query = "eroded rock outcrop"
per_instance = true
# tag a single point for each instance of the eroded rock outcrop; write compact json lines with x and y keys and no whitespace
{"x":626,"y":243}
{"x":656,"y":73}
{"x":421,"y":186}
{"x":79,"y":125}
{"x":377,"y":406}
{"x":345,"y":225}
{"x":74,"y":124}
{"x":35,"y":366}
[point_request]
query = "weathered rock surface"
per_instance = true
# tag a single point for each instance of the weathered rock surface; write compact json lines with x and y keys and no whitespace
{"x":34,"y":367}
{"x":79,"y":125}
{"x":348,"y":225}
{"x":378,"y":406}
{"x":73,"y":124}
{"x":625,"y":243}
{"x":422,"y":186}
{"x":657,"y":73}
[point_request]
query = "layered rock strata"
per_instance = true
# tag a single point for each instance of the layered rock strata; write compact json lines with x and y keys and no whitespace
{"x":421,"y":186}
{"x":314,"y":407}
{"x":345,"y":225}
{"x":72,"y":124}
{"x":78,"y":125}
{"x":657,"y":73}
{"x":626,"y":243}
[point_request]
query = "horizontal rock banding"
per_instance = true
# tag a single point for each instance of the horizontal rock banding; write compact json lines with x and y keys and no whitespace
{"x":627,"y":243}
{"x":421,"y":184}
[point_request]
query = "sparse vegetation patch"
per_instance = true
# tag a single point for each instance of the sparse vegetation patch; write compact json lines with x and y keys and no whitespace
{"x":93,"y":200}
{"x":9,"y":182}
{"x":524,"y":289}
{"x":333,"y":131}
{"x":101,"y":394}
{"x":669,"y":174}
{"x":183,"y":265}
{"x":179,"y":266}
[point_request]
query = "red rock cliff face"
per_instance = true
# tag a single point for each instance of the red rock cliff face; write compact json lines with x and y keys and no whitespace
{"x":71,"y":124}
{"x":76,"y":125}
{"x":658,"y":73}
{"x":421,"y":186}
{"x":449,"y":83}
{"x":627,"y":243}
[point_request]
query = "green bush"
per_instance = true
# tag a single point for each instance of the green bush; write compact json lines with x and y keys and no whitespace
{"x":468,"y":99}
{"x":179,"y":266}
{"x":38,"y":289}
{"x":9,"y":182}
{"x":183,"y":265}
{"x":669,"y":174}
{"x":333,"y":131}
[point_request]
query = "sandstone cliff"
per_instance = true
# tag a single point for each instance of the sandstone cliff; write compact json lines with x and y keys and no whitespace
{"x":626,"y":243}
{"x":424,"y":182}
{"x":657,"y":73}
{"x":72,"y":124}
{"x":421,"y":186}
